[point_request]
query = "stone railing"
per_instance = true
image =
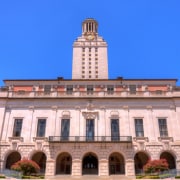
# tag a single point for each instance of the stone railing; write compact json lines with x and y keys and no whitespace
{"x":82,"y":94}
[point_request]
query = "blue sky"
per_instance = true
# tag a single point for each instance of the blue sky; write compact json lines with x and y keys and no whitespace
{"x":36,"y":37}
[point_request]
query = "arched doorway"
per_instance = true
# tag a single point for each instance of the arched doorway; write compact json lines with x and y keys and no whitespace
{"x":170,"y":159}
{"x":12,"y":158}
{"x":90,"y":164}
{"x":116,"y":164}
{"x":40,"y":159}
{"x":64,"y":163}
{"x":140,"y":159}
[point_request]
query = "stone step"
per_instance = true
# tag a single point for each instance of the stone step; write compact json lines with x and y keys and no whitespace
{"x":93,"y":177}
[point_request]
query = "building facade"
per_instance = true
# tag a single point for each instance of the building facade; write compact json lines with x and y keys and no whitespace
{"x":90,"y":124}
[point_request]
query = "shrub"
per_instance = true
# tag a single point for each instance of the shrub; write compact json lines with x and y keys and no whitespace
{"x":32,"y":177}
{"x":26,"y":166}
{"x":139,"y":176}
{"x":2,"y":176}
{"x":155,"y":166}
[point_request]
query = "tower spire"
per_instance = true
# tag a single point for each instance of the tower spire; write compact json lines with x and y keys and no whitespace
{"x":90,"y":53}
{"x":89,"y":25}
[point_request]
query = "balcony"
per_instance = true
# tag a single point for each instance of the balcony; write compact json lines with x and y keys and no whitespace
{"x":84,"y":94}
{"x":85,"y":139}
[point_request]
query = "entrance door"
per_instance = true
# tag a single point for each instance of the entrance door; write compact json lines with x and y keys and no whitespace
{"x":116,"y":164}
{"x":90,"y":165}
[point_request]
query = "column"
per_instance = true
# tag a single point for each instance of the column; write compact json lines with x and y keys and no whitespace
{"x":76,"y":167}
{"x":103,"y":167}
{"x":125,"y":123}
{"x":31,"y":117}
{"x":177,"y":164}
{"x":130,"y":171}
{"x":1,"y":157}
{"x":50,"y":167}
{"x":54,"y":119}
{"x":151,"y":126}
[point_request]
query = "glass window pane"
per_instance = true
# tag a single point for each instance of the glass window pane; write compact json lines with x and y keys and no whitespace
{"x":41,"y":127}
{"x":163,"y":127}
{"x":65,"y":124}
{"x":17,"y":127}
{"x":139,"y":128}
{"x":114,"y":129}
{"x":90,"y":129}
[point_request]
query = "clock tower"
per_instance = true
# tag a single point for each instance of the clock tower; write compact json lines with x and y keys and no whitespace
{"x":90,"y":53}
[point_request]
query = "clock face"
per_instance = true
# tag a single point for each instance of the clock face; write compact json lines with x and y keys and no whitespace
{"x":90,"y":37}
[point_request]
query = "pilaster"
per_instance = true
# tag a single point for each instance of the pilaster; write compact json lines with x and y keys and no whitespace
{"x":130,"y":170}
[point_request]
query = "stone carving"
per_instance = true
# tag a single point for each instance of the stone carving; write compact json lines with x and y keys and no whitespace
{"x":65,"y":114}
{"x":90,"y":115}
{"x":90,"y":106}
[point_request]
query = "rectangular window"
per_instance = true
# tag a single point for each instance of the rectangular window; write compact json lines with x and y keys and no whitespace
{"x":69,"y":88}
{"x":110,"y":89}
{"x":17,"y":127}
{"x":65,"y":124}
{"x":132,"y":89}
{"x":163,"y":127}
{"x":89,"y":89}
{"x":47,"y":89}
{"x":90,"y":129}
{"x":114,"y":129}
{"x":41,"y":127}
{"x":139,"y":128}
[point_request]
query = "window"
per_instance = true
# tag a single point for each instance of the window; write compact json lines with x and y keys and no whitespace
{"x":17,"y":128}
{"x":89,"y":49}
{"x":110,"y":89}
{"x":69,"y":88}
{"x":114,"y":129}
{"x":47,"y":89}
{"x":163,"y":127}
{"x":132,"y":89}
{"x":41,"y":127}
{"x":89,"y":89}
{"x":65,"y":123}
{"x":83,"y":49}
{"x":96,"y":49}
{"x":159,"y":92}
{"x":139,"y":128}
{"x":90,"y":129}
